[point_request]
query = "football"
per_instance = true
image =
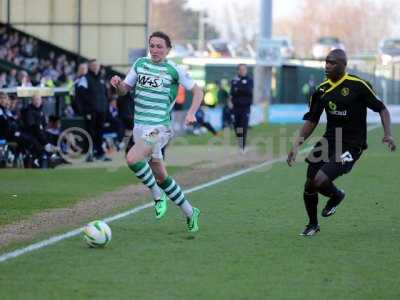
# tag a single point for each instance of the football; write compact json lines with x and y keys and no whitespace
{"x":97,"y":234}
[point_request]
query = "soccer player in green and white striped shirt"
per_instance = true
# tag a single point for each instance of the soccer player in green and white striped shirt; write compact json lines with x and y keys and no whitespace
{"x":156,"y":81}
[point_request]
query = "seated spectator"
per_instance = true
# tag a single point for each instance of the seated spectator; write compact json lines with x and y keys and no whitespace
{"x":3,"y":80}
{"x":201,"y":123}
{"x":15,"y":106}
{"x":35,"y":124}
{"x":4,"y":115}
{"x":114,"y":124}
{"x":126,"y":107}
{"x":3,"y":35}
{"x":24,"y":79}
{"x":10,"y":129}
{"x":12,"y":78}
{"x":223,"y":100}
{"x":53,"y":129}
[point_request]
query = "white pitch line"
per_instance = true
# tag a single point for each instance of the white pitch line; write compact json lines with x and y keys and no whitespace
{"x":75,"y":232}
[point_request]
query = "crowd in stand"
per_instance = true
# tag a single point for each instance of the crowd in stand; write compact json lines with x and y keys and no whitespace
{"x":30,"y":131}
{"x":33,"y":135}
{"x":25,"y":133}
{"x":23,"y":52}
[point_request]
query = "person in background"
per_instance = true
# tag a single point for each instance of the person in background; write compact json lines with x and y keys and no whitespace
{"x":34,"y":126}
{"x":201,"y":122}
{"x":80,"y":87}
{"x":95,"y":107}
{"x":12,"y":78}
{"x":241,"y":99}
{"x":210,"y":95}
{"x":115,"y":124}
{"x":223,"y":100}
{"x":3,"y":80}
{"x":180,"y":98}
{"x":308,"y":88}
{"x":53,"y":129}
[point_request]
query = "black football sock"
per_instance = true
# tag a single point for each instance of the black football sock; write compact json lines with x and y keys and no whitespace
{"x":328,"y":189}
{"x":311,"y":204}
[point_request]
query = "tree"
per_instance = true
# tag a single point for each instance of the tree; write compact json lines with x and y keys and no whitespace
{"x":360,"y":24}
{"x":234,"y":20}
{"x":180,"y":23}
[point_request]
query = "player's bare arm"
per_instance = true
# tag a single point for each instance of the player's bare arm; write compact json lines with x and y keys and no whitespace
{"x":306,"y":130}
{"x":387,"y":138}
{"x":196,"y":102}
{"x":121,"y":87}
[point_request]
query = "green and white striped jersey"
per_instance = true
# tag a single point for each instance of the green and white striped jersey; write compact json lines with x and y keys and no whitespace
{"x":156,"y":87}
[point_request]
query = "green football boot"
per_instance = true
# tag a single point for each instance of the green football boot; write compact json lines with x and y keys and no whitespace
{"x":160,"y":206}
{"x":193,"y":221}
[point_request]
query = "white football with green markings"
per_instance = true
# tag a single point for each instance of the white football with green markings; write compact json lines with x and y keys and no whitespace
{"x":97,"y":234}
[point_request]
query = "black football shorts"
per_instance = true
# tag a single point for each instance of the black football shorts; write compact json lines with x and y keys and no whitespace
{"x":333,"y":162}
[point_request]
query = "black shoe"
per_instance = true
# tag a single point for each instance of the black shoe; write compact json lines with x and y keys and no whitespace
{"x":103,"y":158}
{"x":332,"y":204}
{"x":89,"y":158}
{"x":310,"y":230}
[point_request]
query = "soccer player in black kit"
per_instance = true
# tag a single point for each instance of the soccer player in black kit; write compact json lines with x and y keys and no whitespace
{"x":345,"y":99}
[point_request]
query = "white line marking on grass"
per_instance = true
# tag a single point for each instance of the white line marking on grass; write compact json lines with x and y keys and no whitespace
{"x":75,"y":232}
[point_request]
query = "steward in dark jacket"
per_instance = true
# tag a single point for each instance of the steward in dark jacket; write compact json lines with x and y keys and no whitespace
{"x":241,"y":99}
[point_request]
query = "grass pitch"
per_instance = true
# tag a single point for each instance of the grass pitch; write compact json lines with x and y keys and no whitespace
{"x":248,"y":246}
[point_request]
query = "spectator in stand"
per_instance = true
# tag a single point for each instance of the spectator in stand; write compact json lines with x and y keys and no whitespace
{"x":23,"y":51}
{"x":13,"y":39}
{"x":12,"y":78}
{"x":3,"y":36}
{"x":52,"y":58}
{"x":30,"y":47}
{"x":24,"y":79}
{"x":53,"y":132}
{"x":126,"y":108}
{"x":47,"y":81}
{"x":53,"y":129}
{"x":3,"y":43}
{"x":80,"y":86}
{"x":103,"y":73}
{"x":201,"y":122}
{"x":35,"y":125}
{"x":115,"y":124}
{"x":11,"y":131}
{"x":3,"y":53}
{"x":36,"y":79}
{"x":15,"y":106}
{"x":69,"y":85}
{"x":223,"y":100}
{"x":3,"y":80}
{"x":4,"y":115}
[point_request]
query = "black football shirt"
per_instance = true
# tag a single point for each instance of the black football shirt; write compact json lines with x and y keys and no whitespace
{"x":345,"y":103}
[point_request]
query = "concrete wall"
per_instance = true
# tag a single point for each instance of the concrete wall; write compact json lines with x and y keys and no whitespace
{"x":108,"y":28}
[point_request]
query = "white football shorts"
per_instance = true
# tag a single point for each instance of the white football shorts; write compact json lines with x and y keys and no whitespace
{"x":157,"y":136}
